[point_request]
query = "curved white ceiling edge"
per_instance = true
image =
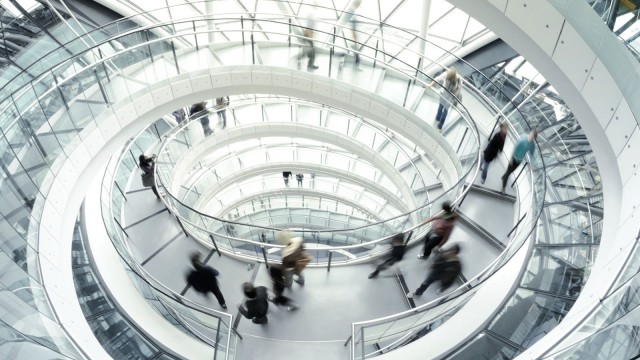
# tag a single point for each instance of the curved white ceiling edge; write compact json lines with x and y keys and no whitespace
{"x":128,"y":117}
{"x":539,"y":32}
{"x":252,"y":171}
{"x":244,"y":132}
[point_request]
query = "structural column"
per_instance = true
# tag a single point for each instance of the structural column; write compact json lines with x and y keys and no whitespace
{"x":208,"y":5}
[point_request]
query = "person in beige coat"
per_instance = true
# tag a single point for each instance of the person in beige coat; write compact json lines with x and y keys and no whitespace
{"x":294,"y":258}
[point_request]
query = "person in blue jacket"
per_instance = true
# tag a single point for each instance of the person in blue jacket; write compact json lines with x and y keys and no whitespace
{"x":525,"y":145}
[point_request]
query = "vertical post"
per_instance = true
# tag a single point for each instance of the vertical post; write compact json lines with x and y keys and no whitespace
{"x":424,"y":27}
{"x":182,"y":226}
{"x":289,"y":40}
{"x":332,"y":50}
{"x":520,"y":173}
{"x":417,"y":70}
{"x":208,"y":6}
{"x":195,"y":35}
{"x":264,"y":255}
{"x":462,"y":140}
{"x":253,"y":51}
{"x":175,"y":58}
{"x":242,"y":27}
{"x":215,"y":245}
{"x":121,"y":192}
{"x":329,"y":264}
{"x":406,"y":94}
{"x":146,"y":35}
{"x":375,"y":56}
{"x":102,"y":91}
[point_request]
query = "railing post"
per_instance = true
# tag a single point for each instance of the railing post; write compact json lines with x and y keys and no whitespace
{"x":253,"y":51}
{"x":406,"y":94}
{"x":101,"y":87}
{"x":146,"y":35}
{"x":329,"y":264}
{"x":120,"y":226}
{"x":332,"y":50}
{"x":462,"y":140}
{"x":182,"y":226}
{"x":264,"y":255}
{"x":215,"y":245}
{"x":520,"y":173}
{"x":375,"y":57}
{"x":290,"y":29}
{"x":175,"y":58}
{"x":417,"y":69}
{"x":121,"y":192}
{"x":517,"y":224}
{"x":195,"y":36}
{"x":242,"y":27}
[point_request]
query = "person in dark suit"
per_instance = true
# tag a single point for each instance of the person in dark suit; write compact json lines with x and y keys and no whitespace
{"x":446,"y":268}
{"x":491,"y":151}
{"x":256,"y":305}
{"x":203,"y":279}
{"x":279,"y":279}
{"x":396,"y":254}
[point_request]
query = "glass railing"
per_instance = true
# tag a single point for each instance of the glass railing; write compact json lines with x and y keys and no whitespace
{"x":221,"y":163}
{"x":209,"y":326}
{"x":57,"y":102}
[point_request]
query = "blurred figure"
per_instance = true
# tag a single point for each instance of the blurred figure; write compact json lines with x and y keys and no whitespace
{"x":279,"y":279}
{"x":526,"y":144}
{"x":354,"y":33}
{"x":256,"y":304}
{"x":221,"y":105}
{"x":286,"y":175}
{"x":294,"y":258}
{"x":203,"y":279}
{"x":179,"y":115}
{"x":491,"y":151}
{"x":148,"y":165}
{"x":445,"y":268}
{"x":397,"y":252}
{"x":299,"y":178}
{"x":450,"y":93}
{"x":199,"y":110}
{"x":309,"y":49}
{"x":440,"y":231}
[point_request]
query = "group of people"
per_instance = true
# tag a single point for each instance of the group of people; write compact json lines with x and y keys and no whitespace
{"x":255,"y":306}
{"x":199,"y":110}
{"x":286,"y":175}
{"x":446,"y":267}
{"x":450,"y":94}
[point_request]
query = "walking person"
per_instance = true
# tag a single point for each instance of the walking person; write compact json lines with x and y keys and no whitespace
{"x":204,"y":279}
{"x":491,"y":151}
{"x":294,"y":258}
{"x":279,"y":279}
{"x":286,"y":175}
{"x":445,"y":268}
{"x":299,"y":178}
{"x":221,"y":104}
{"x":199,"y":110}
{"x":440,"y":231}
{"x":147,"y":165}
{"x":450,"y":93}
{"x":256,"y":303}
{"x":526,"y":144}
{"x":397,"y":253}
{"x":309,"y":49}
